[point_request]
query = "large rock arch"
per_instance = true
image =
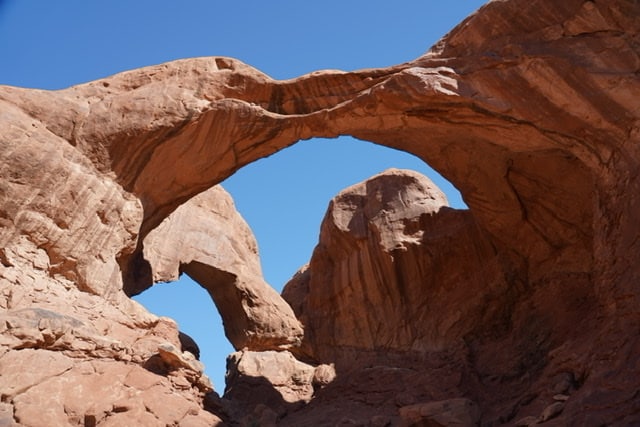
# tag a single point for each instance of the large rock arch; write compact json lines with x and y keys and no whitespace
{"x":546,"y":100}
{"x":529,"y":108}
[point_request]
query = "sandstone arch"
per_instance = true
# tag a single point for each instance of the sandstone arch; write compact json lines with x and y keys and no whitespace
{"x":529,"y":108}
{"x":449,"y":107}
{"x":225,"y":262}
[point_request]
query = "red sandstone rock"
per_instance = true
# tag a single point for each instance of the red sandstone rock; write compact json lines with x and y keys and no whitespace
{"x":390,"y":248}
{"x":207,"y":239}
{"x":266,"y":386}
{"x":68,"y":357}
{"x":529,"y":108}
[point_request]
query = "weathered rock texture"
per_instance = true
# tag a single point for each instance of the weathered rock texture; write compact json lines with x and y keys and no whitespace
{"x":390,"y":248}
{"x":529,"y":107}
{"x":68,"y":357}
{"x":270,"y":383}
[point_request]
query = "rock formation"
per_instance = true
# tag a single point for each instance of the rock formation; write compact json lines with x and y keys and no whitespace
{"x":523,"y":309}
{"x":390,"y":248}
{"x":207,"y":239}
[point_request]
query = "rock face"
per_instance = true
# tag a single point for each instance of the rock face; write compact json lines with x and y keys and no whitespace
{"x":68,"y":357}
{"x":390,"y":248}
{"x":273,"y":380}
{"x":529,"y":108}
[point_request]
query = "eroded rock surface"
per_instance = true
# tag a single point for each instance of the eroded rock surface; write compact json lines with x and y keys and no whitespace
{"x":68,"y":357}
{"x":529,"y":108}
{"x":401,"y":293}
{"x":386,"y":276}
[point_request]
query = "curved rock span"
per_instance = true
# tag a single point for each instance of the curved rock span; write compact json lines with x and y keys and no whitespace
{"x":521,"y":310}
{"x":208,"y":240}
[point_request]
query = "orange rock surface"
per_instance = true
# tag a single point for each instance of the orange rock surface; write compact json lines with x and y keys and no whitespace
{"x":522,"y":309}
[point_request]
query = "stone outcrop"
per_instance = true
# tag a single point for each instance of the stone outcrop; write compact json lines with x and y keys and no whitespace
{"x":391,"y":248}
{"x":273,"y":380}
{"x":529,"y":108}
{"x":68,"y":357}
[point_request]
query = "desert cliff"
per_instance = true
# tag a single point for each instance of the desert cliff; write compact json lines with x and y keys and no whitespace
{"x":522,"y":309}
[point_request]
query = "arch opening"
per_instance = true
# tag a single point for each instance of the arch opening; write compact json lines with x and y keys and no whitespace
{"x":283,"y":198}
{"x":189,"y":304}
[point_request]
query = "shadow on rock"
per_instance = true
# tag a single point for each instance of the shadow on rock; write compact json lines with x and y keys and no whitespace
{"x":252,"y":401}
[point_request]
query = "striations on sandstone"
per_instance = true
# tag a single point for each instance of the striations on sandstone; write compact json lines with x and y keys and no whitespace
{"x":521,"y":310}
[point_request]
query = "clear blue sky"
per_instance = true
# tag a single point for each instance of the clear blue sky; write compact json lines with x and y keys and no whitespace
{"x":55,"y":44}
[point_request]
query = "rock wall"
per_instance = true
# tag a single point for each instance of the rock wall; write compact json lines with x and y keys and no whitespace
{"x":69,"y":357}
{"x":529,"y":108}
{"x":391,"y":248}
{"x":469,"y":335}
